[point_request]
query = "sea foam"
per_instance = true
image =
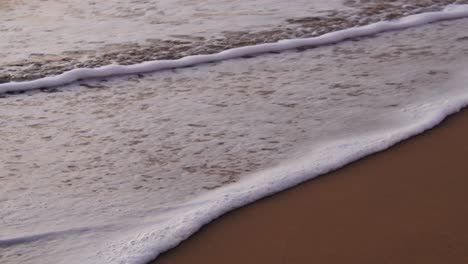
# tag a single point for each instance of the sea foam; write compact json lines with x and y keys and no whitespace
{"x":323,"y":159}
{"x":450,"y":12}
{"x":151,"y":239}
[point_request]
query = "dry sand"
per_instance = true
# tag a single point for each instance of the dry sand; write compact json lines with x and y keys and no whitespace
{"x":403,"y":205}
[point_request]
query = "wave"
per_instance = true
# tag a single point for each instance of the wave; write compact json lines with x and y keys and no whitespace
{"x":450,"y":12}
{"x":145,"y":241}
{"x":324,"y":158}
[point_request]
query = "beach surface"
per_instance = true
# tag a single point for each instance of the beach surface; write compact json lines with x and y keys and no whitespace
{"x":404,"y":205}
{"x":119,"y":170}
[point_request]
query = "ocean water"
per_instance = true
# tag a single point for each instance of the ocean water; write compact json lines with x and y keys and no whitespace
{"x":118,"y":170}
{"x":43,"y":38}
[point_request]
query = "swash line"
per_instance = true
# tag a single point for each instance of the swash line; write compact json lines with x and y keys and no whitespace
{"x":450,"y":12}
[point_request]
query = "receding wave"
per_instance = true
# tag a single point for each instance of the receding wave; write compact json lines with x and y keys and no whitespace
{"x":167,"y":38}
{"x":451,"y":12}
{"x":164,"y":153}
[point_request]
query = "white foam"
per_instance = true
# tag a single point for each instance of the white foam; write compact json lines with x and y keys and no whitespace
{"x":141,"y":240}
{"x":323,"y":159}
{"x":450,"y":12}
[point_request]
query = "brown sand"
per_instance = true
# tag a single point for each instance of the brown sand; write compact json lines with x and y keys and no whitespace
{"x":404,"y":205}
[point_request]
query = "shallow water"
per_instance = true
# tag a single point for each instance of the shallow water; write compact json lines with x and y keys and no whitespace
{"x":43,"y":38}
{"x":52,"y":27}
{"x":108,"y":170}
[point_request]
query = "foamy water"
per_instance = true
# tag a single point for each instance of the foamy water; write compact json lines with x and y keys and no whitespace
{"x":47,"y":38}
{"x":119,"y":170}
{"x":451,"y":12}
{"x":52,"y":27}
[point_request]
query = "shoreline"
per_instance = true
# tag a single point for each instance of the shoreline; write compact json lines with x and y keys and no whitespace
{"x":84,"y":143}
{"x":391,"y":206}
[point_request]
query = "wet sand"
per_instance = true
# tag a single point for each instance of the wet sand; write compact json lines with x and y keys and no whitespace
{"x":403,"y":205}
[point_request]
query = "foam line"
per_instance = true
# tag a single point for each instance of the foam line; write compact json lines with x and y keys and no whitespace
{"x":450,"y":12}
{"x":323,"y":159}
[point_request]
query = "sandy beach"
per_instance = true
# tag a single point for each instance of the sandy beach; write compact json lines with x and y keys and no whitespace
{"x":403,"y":205}
{"x":123,"y":168}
